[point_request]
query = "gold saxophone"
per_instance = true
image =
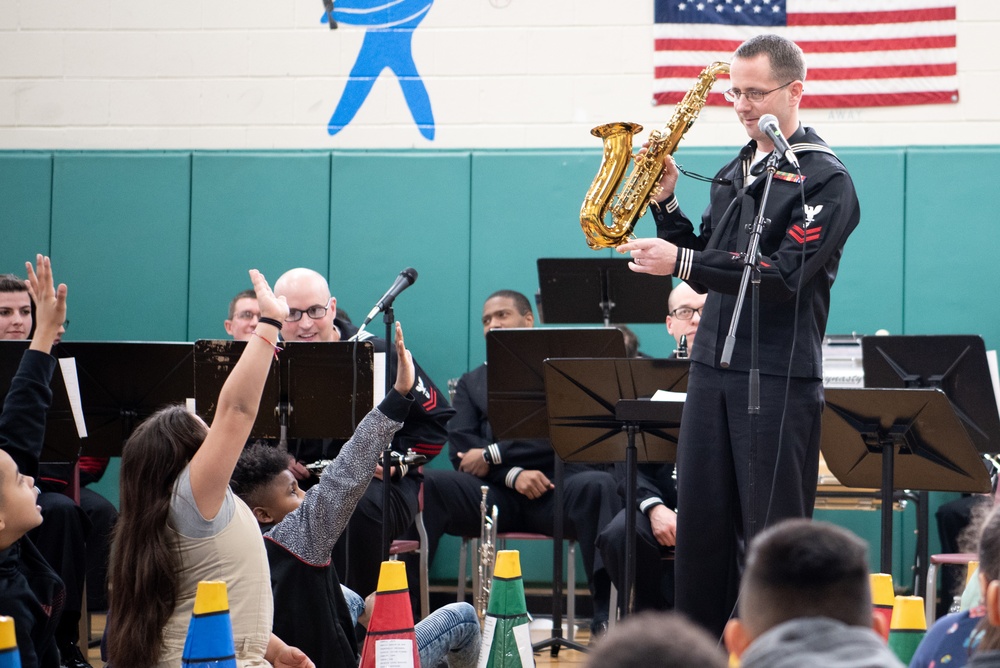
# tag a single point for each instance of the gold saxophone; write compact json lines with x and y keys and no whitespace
{"x":487,"y":556}
{"x":629,"y":205}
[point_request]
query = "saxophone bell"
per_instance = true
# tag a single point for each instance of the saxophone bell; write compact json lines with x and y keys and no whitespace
{"x":626,"y":208}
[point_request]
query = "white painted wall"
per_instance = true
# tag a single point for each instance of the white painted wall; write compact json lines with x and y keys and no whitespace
{"x":214,"y":74}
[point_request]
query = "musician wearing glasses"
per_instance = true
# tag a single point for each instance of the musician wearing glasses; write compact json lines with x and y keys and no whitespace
{"x":244,"y":315}
{"x":656,"y":492}
{"x":726,"y":493}
{"x":312,"y":316}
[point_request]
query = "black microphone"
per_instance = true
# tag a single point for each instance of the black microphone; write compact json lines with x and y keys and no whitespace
{"x":768,"y":124}
{"x":405,"y":279}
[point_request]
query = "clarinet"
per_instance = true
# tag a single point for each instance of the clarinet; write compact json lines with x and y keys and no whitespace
{"x":681,"y":352}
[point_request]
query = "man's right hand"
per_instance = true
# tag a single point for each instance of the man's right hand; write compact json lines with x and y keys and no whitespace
{"x":472,"y":461}
{"x":664,"y":524}
{"x":298,"y":469}
{"x":533,"y":484}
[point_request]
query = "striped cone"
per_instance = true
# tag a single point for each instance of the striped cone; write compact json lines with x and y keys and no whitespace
{"x":883,"y":599}
{"x":908,"y":627}
{"x":9,"y":656}
{"x":209,"y":642}
{"x":390,"y":640}
{"x":506,"y":639}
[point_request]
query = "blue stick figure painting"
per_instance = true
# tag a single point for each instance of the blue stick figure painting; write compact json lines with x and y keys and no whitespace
{"x":387,"y":44}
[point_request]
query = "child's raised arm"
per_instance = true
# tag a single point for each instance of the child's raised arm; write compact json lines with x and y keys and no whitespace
{"x":213,"y":464}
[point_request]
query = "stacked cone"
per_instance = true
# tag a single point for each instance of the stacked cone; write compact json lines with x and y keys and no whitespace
{"x":883,"y":599}
{"x":9,"y":656}
{"x":209,"y":641}
{"x":390,"y":640}
{"x":506,"y":639}
{"x":908,"y":627}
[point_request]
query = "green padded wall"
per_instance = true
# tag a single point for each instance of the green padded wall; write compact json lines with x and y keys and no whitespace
{"x":392,"y":210}
{"x":25,"y":200}
{"x":951,"y":247}
{"x":120,"y":242}
{"x":268,"y":211}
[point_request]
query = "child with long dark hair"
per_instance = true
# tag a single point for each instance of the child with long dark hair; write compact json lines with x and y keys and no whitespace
{"x":180,"y":523}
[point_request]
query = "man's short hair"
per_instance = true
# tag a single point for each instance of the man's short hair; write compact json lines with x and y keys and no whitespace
{"x":657,"y":639}
{"x":245,"y":294}
{"x":11,"y":283}
{"x":521,"y":302}
{"x":259,"y":464}
{"x":803,"y":568}
{"x":787,"y":62}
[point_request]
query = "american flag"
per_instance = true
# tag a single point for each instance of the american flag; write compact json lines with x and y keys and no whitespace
{"x":859,"y":53}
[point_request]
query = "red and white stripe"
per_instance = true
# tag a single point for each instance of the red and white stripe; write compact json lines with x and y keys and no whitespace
{"x":859,"y":53}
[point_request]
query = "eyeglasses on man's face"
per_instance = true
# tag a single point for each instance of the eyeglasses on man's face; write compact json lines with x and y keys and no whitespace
{"x":315,"y":312}
{"x":734,"y":94}
{"x":685,"y":313}
{"x":246,"y":315}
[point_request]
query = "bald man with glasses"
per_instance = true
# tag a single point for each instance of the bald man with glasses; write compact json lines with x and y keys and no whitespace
{"x":312,"y":316}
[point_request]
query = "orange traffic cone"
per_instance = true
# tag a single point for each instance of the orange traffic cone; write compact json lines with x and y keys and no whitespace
{"x":9,"y":656}
{"x":883,"y":599}
{"x":390,"y":640}
{"x":209,"y":642}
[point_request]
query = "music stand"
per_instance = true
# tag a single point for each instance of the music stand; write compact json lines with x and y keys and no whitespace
{"x":515,"y":383}
{"x":898,"y":438}
{"x":598,"y":408}
{"x":313,"y":390}
{"x":121,"y":384}
{"x":954,"y":363}
{"x":599,"y":290}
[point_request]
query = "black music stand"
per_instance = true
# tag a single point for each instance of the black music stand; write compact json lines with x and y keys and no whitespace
{"x":121,"y":384}
{"x":515,"y":383}
{"x":313,"y":390}
{"x":599,"y":290}
{"x":599,"y":408}
{"x":953,"y":363}
{"x":898,"y":438}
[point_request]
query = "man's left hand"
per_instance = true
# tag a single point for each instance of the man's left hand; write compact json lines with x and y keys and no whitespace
{"x":378,"y":471}
{"x":472,"y":461}
{"x":651,"y":256}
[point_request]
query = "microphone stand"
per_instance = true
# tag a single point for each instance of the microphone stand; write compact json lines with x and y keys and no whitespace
{"x":751,"y":275}
{"x":389,"y":319}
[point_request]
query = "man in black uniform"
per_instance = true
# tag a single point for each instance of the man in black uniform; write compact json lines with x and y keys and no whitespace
{"x":726,"y":492}
{"x":519,"y":473}
{"x":312,"y":316}
{"x":656,"y":492}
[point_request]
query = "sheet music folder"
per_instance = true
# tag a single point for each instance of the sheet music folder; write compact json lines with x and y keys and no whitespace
{"x":589,"y":400}
{"x":581,"y":290}
{"x":320,"y":390}
{"x":515,"y":378}
{"x":121,"y":384}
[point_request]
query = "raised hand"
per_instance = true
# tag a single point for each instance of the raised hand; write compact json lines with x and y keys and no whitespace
{"x":50,"y":303}
{"x":270,"y":306}
{"x":405,"y":372}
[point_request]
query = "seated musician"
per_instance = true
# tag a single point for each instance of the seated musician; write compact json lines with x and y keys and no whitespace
{"x":313,"y":316}
{"x":518,"y":473}
{"x":311,"y":609}
{"x":656,"y":493}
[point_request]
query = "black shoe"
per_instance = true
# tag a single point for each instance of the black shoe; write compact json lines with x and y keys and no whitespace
{"x":72,"y":657}
{"x":598,"y":628}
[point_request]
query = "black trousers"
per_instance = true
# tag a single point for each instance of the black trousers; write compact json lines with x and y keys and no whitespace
{"x":722,"y":485}
{"x":452,"y":502}
{"x":654,"y":565}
